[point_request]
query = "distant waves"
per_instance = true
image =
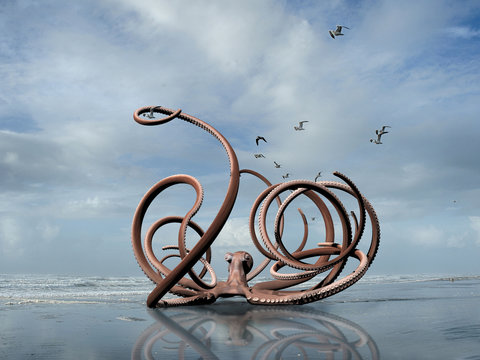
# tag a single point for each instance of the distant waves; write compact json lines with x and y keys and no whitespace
{"x":61,"y":289}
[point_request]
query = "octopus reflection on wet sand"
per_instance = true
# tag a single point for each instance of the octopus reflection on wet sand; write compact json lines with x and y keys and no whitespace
{"x":252,"y":333}
{"x":328,"y":255}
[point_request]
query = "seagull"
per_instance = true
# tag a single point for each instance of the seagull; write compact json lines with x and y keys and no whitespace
{"x":379,"y":133}
{"x":277,"y":165}
{"x":260,"y":138}
{"x":313,"y":219}
{"x":318,"y":175}
{"x":150,"y":115}
{"x":300,"y":125}
{"x":337,"y":31}
{"x":258,"y":156}
{"x":382,"y":130}
{"x":286,"y":175}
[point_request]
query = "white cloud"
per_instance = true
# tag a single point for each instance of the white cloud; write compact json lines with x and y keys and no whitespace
{"x":47,"y":230}
{"x":235,"y":233}
{"x":249,"y":68}
{"x":463,"y":32}
{"x":10,"y":236}
{"x":475,"y":226}
{"x":427,"y":235}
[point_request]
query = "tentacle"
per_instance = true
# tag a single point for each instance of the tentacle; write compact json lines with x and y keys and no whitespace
{"x":305,"y":231}
{"x":159,"y":264}
{"x":252,"y":274}
{"x":286,"y":256}
{"x":262,"y":297}
{"x":188,"y":259}
{"x":205,"y":262}
{"x":270,"y":292}
{"x":142,"y":209}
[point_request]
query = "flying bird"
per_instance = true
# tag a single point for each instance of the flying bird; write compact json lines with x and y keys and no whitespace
{"x":318,"y":175}
{"x":277,"y":165}
{"x":258,"y":156}
{"x":300,"y":125}
{"x":286,"y":175}
{"x":260,"y":138}
{"x":379,"y":133}
{"x":337,"y":31}
{"x":382,"y":130}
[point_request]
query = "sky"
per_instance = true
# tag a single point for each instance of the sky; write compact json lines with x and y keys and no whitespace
{"x":74,"y":164}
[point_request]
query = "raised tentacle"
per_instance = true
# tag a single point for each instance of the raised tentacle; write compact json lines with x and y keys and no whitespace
{"x":188,"y":259}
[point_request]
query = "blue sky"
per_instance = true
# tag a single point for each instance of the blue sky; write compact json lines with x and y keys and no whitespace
{"x":74,"y":164}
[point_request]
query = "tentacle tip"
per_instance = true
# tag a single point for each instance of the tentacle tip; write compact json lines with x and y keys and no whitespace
{"x":161,"y":304}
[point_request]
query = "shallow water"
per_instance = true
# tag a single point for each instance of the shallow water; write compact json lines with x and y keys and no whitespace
{"x":399,"y":317}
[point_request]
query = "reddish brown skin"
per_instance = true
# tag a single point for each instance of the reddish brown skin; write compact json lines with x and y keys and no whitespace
{"x":193,"y":290}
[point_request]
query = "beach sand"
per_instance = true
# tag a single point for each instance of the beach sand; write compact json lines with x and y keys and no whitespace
{"x":434,"y":319}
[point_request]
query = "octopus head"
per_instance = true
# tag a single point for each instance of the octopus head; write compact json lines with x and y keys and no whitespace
{"x":239,"y":258}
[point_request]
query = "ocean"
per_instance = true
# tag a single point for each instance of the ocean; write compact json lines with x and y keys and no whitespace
{"x":380,"y":317}
{"x":31,"y":289}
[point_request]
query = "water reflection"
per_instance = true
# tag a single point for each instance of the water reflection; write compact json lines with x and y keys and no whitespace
{"x":236,"y":330}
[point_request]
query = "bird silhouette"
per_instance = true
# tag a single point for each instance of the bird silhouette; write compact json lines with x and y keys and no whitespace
{"x":337,"y":31}
{"x":258,"y":156}
{"x":300,"y":125}
{"x":379,"y":133}
{"x":286,"y":176}
{"x":382,"y":130}
{"x":260,"y":138}
{"x":150,"y":115}
{"x":277,"y":165}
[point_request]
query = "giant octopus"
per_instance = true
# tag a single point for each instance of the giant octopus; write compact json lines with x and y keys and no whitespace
{"x":330,"y":255}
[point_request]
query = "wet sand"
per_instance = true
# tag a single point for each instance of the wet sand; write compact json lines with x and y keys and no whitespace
{"x":412,"y":320}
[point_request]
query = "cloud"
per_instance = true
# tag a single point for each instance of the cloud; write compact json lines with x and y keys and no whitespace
{"x":475,"y":226}
{"x":463,"y":32}
{"x":235,"y":233}
{"x":10,"y":236}
{"x":48,"y":231}
{"x":71,"y":154}
{"x":428,"y":235}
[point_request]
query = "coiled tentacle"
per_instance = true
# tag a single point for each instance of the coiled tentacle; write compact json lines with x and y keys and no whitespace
{"x":270,"y":291}
{"x":189,"y":259}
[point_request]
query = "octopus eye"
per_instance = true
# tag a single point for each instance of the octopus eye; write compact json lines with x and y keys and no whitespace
{"x":228,"y":257}
{"x":246,"y":257}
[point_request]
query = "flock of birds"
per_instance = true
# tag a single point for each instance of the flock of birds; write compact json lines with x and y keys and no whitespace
{"x":276,"y":164}
{"x":378,"y":132}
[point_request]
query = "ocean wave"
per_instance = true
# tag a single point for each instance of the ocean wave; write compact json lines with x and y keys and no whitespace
{"x":49,"y":301}
{"x":129,"y":318}
{"x":21,"y":289}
